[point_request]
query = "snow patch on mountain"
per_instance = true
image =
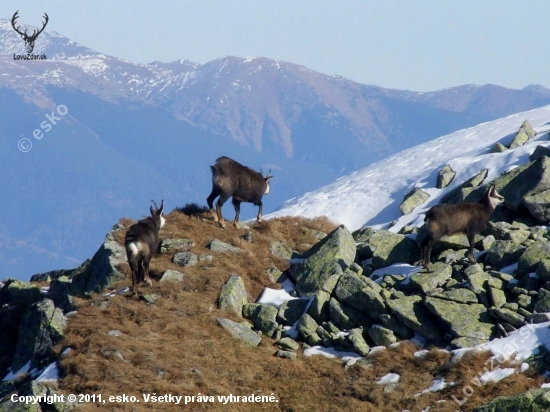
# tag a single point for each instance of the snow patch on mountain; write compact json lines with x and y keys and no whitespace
{"x":371,"y":196}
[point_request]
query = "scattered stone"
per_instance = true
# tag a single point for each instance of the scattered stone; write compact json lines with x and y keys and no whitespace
{"x":338,"y":246}
{"x":471,"y":320}
{"x":358,"y":343}
{"x":513,"y":318}
{"x":498,"y":148}
{"x":239,"y":331}
{"x":411,"y":312}
{"x":150,"y":297}
{"x":319,"y":308}
{"x":266,"y":319}
{"x":413,"y":199}
{"x":498,"y":297}
{"x":355,"y":292}
{"x":171,"y":276}
{"x":182,"y":244}
{"x":286,"y":354}
{"x":459,"y":295}
{"x":274,"y":275}
{"x":382,"y":336}
{"x":424,"y":281}
{"x":445,"y":177}
{"x":538,"y":318}
{"x":503,"y":253}
{"x":519,"y":139}
{"x":543,"y":303}
{"x":233,"y":295}
{"x":292,"y":310}
{"x":398,"y":328}
{"x":339,"y":316}
{"x":116,"y":333}
{"x":281,"y":250}
{"x":216,"y":245}
{"x":390,"y":248}
{"x":306,"y":326}
{"x":112,"y":354}
{"x":185,"y":259}
{"x":288,"y":344}
{"x":532,"y":400}
{"x":532,"y":256}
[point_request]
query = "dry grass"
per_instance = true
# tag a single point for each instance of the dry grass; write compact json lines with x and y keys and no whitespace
{"x":174,"y":346}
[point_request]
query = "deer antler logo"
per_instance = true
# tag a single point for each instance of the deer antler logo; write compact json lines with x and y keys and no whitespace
{"x":29,"y":40}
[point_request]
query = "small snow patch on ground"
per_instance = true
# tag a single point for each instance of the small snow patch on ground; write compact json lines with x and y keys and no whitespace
{"x":496,"y":375}
{"x":330,"y":353}
{"x":274,"y":297}
{"x":51,"y":373}
{"x":389,"y":379}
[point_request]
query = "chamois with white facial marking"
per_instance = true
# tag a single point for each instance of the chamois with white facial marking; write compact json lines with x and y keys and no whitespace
{"x":232,"y":179}
{"x":470,"y":218}
{"x":141,"y":244}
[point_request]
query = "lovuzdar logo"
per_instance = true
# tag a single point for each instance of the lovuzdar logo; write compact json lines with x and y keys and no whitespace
{"x":29,"y":39}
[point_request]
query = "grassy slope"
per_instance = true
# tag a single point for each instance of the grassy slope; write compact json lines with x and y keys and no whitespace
{"x":174,"y":346}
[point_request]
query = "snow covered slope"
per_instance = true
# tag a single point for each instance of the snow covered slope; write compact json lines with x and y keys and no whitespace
{"x":371,"y":196}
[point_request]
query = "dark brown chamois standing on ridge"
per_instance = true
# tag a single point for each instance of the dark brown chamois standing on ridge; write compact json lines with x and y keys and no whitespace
{"x":470,"y":218}
{"x":232,"y":179}
{"x":141,"y":244}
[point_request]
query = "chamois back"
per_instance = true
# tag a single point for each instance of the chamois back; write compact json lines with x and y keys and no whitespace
{"x":141,"y":243}
{"x":243,"y":184}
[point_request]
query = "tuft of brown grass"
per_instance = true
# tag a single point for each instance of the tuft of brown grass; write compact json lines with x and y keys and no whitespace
{"x":175,"y":347}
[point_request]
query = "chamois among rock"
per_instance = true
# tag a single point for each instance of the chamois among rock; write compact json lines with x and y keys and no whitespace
{"x":141,"y":243}
{"x":232,"y":179}
{"x":470,"y":218}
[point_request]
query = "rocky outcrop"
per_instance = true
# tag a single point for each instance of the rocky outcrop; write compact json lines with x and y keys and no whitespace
{"x":102,"y":270}
{"x":336,"y":251}
{"x":533,"y":400}
{"x":233,"y":295}
{"x":413,"y":199}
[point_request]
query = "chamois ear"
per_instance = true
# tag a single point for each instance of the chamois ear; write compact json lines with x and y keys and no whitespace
{"x":161,"y":207}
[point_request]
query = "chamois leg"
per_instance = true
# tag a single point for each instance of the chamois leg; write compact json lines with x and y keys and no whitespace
{"x":471,"y":238}
{"x":146,"y":277}
{"x":237,"y":206}
{"x":259,"y":218}
{"x":210,"y":201}
{"x":221,"y":200}
{"x":134,"y":268}
{"x":427,"y":253}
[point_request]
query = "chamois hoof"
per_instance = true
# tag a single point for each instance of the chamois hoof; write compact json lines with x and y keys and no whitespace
{"x":236,"y":224}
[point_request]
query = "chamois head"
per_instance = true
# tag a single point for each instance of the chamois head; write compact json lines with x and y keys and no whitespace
{"x":156,"y":214}
{"x":493,"y":196}
{"x":266,"y":178}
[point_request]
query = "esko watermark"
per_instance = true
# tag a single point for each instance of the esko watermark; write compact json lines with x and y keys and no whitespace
{"x":25,"y":145}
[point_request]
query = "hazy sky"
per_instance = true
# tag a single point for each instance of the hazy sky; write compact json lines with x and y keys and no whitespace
{"x":415,"y":44}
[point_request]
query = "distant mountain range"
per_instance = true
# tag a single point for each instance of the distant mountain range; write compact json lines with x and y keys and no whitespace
{"x":134,"y":132}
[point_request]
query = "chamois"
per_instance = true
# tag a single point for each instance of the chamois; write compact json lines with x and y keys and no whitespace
{"x":232,"y":179}
{"x":470,"y":218}
{"x":141,"y":243}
